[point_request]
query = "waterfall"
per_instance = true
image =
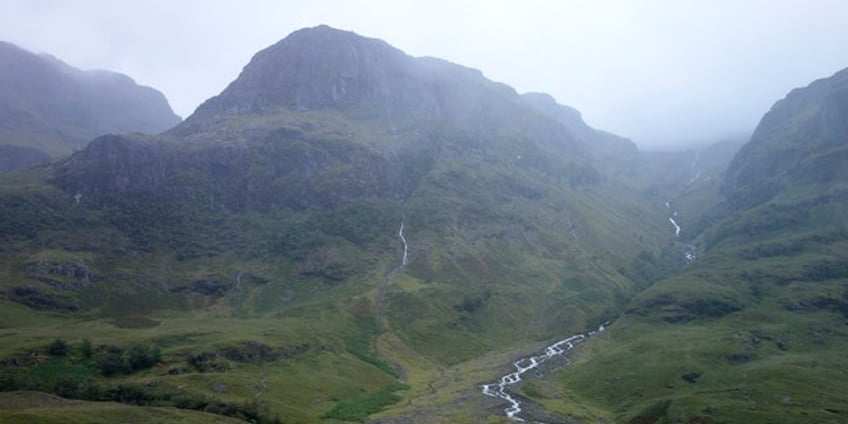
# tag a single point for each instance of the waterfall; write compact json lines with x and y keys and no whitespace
{"x":405,"y":261}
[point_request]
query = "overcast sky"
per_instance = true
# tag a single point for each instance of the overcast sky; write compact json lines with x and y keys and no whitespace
{"x":660,"y":72}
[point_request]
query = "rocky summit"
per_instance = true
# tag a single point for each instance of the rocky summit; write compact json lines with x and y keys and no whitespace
{"x":347,"y":233}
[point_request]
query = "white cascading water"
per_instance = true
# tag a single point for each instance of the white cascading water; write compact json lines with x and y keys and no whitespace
{"x":560,"y":348}
{"x":689,"y":254}
{"x":676,"y":227}
{"x":405,"y":259}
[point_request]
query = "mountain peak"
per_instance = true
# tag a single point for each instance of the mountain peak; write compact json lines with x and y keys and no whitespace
{"x":330,"y":70}
{"x":313,"y":68}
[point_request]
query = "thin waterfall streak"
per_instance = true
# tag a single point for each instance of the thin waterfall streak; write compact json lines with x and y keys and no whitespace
{"x":405,"y":261}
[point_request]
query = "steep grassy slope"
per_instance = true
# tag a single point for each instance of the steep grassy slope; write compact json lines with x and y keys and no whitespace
{"x":801,"y":140}
{"x":754,"y":330}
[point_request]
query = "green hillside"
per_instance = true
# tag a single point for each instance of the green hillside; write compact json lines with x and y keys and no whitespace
{"x":348,"y":233}
{"x":754,"y":330}
{"x":256,"y":245}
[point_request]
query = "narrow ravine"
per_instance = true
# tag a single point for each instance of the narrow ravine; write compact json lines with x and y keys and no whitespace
{"x":560,"y":348}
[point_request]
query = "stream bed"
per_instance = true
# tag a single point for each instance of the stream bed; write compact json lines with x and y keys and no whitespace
{"x":523,"y":365}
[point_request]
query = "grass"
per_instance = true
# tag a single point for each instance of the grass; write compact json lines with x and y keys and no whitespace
{"x":773,"y":355}
{"x":357,"y":409}
{"x":274,"y":279}
{"x":667,"y":355}
{"x":29,"y":407}
{"x":290,"y":386}
{"x":360,"y":346}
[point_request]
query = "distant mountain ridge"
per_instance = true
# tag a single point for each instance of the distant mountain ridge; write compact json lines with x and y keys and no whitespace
{"x":55,"y":108}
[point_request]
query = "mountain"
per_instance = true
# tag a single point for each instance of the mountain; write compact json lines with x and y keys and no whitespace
{"x":49,"y":109}
{"x":609,"y":150}
{"x":754,"y":329}
{"x":800,"y":140}
{"x":341,"y":210}
{"x":350,"y":233}
{"x":325,"y":180}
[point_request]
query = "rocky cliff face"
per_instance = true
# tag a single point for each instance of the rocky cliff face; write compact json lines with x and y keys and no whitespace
{"x":280,"y":168}
{"x":54,"y":108}
{"x":325,"y":69}
{"x":326,"y":116}
{"x":317,"y":68}
{"x":802,"y":139}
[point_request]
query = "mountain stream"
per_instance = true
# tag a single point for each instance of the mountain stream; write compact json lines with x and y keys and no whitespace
{"x":560,"y":348}
{"x":689,"y":253}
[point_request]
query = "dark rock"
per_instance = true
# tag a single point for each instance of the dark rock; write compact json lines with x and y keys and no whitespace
{"x":691,"y":377}
{"x":738,"y":358}
{"x":61,"y":275}
{"x":681,"y":311}
{"x":205,"y":287}
{"x":252,"y":351}
{"x":245,"y":352}
{"x":249,"y":351}
{"x":208,"y":362}
{"x":36,"y":299}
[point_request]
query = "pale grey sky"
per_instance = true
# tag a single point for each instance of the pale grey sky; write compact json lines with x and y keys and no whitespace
{"x":661,"y":72}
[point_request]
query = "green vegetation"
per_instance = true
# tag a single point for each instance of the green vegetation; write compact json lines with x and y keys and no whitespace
{"x":653,"y":414}
{"x":360,"y":344}
{"x":57,"y":347}
{"x":147,"y":265}
{"x":358,"y":409}
{"x":249,"y":266}
{"x":112,"y":360}
{"x":754,"y":330}
{"x":28,"y":407}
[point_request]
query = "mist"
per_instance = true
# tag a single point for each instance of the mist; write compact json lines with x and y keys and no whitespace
{"x":665,"y":74}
